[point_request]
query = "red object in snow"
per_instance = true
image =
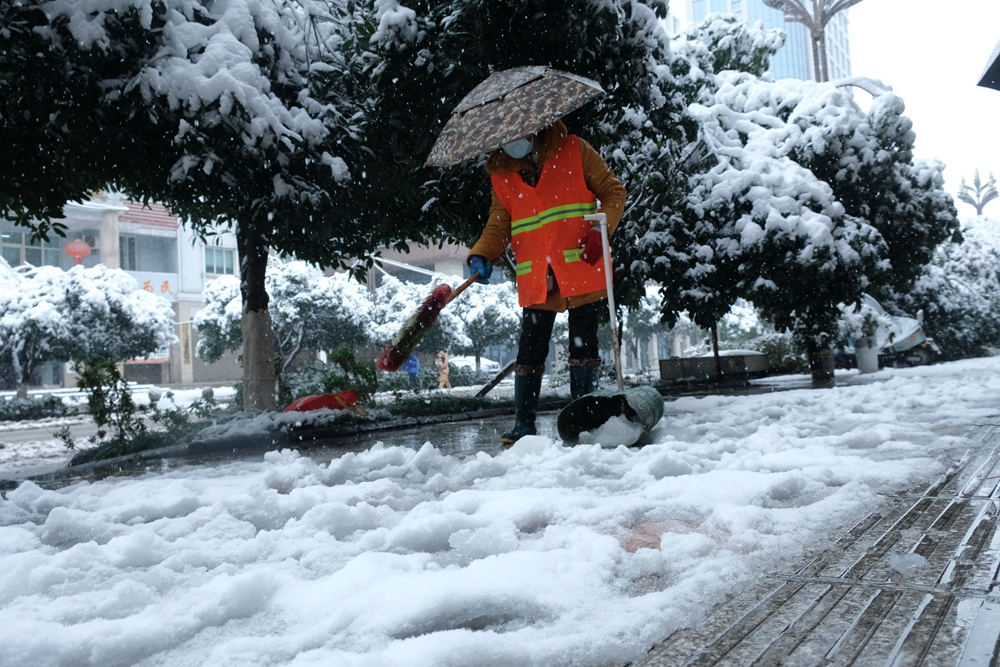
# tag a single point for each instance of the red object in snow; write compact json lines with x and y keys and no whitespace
{"x":342,"y":401}
{"x":77,"y":250}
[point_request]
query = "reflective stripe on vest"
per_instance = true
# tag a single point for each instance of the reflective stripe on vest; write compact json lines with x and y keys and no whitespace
{"x":553,"y":214}
{"x":548,"y":229}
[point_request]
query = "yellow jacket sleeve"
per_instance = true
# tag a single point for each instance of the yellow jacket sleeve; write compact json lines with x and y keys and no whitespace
{"x":496,"y":235}
{"x":604,"y":184}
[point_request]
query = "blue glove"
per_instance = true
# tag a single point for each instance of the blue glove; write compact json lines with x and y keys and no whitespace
{"x":479,"y":264}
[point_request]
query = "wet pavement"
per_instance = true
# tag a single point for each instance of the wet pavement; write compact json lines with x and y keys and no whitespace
{"x":467,"y":435}
{"x":914,"y":583}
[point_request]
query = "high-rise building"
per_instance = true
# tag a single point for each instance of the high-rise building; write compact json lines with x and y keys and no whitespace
{"x":795,"y":59}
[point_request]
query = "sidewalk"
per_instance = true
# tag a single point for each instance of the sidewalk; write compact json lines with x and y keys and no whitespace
{"x":915,"y":582}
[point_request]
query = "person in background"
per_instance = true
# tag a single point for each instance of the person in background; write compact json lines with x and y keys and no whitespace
{"x":443,"y":370}
{"x":543,"y":185}
{"x":412,"y":367}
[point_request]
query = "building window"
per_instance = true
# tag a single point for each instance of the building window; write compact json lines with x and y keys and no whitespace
{"x":128,"y":253}
{"x":720,"y":6}
{"x":19,"y":248}
{"x":700,"y":10}
{"x":737,"y":6}
{"x":220,"y":261}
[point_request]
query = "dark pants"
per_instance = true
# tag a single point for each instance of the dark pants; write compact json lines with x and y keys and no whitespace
{"x":536,"y":331}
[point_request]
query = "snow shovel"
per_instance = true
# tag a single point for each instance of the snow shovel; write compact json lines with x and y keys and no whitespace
{"x":611,"y":418}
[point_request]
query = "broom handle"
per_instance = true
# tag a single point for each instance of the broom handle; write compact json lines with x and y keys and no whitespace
{"x":464,"y":286}
{"x":603,"y":219}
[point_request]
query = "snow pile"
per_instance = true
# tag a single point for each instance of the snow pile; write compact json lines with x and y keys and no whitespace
{"x":616,"y":431}
{"x":533,"y":557}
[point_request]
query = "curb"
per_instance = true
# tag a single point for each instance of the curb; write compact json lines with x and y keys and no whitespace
{"x":238,"y":444}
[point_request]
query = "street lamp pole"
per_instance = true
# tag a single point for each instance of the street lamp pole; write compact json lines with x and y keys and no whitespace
{"x":814,"y":15}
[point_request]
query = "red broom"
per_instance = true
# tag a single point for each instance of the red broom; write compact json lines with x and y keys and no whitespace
{"x":396,"y":352}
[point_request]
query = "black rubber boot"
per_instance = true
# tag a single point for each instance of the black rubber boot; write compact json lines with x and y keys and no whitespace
{"x":526,"y":389}
{"x":583,"y":379}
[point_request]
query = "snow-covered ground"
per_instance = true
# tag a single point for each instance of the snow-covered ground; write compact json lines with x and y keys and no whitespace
{"x":541,"y":555}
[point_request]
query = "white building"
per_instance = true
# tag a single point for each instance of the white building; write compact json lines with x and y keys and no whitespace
{"x":795,"y":59}
{"x":164,"y":257}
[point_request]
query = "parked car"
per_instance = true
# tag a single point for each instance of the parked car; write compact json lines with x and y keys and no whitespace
{"x":470,"y":362}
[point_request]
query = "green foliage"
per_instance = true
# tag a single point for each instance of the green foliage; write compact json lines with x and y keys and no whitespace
{"x":781,"y":352}
{"x":353,"y":374}
{"x":342,"y":371}
{"x":441,"y":404}
{"x":23,"y":409}
{"x":121,"y":428}
{"x":121,"y":424}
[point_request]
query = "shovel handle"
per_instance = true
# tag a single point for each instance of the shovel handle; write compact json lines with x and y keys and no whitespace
{"x":464,"y":286}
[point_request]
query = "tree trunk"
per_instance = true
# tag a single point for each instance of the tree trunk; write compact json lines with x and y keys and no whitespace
{"x":715,"y":349}
{"x":20,"y":372}
{"x":258,"y":335}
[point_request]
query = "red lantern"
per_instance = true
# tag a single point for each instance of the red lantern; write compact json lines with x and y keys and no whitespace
{"x":77,"y":250}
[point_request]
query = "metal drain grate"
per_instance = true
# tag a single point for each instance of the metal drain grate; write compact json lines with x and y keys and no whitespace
{"x":841,"y":608}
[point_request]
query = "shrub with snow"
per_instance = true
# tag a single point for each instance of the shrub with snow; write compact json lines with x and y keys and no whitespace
{"x":84,"y":314}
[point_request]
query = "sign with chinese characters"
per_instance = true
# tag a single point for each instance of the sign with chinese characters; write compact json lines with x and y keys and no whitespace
{"x":160,"y":284}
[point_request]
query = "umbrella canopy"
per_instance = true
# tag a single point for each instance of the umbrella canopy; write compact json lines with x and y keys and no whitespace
{"x":506,"y":106}
{"x":991,"y":75}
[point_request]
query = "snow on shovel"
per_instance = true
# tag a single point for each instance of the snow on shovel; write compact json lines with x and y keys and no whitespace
{"x":397,"y":351}
{"x":610,"y":418}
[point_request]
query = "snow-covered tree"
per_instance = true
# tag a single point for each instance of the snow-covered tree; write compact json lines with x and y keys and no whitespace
{"x":867,"y":160}
{"x":84,"y":314}
{"x":643,"y":322}
{"x":309,"y":311}
{"x":218,"y":322}
{"x":668,"y":237}
{"x":490,"y":314}
{"x":428,"y":54}
{"x":396,"y":300}
{"x":959,"y":292}
{"x":796,"y":199}
{"x":230,"y":113}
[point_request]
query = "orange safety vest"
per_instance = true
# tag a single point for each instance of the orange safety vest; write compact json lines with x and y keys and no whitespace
{"x":547,"y":227}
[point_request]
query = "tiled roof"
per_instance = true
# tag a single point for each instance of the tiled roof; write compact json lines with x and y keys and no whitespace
{"x":153,"y":215}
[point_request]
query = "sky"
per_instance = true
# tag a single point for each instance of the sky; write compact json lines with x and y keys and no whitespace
{"x":932,"y":53}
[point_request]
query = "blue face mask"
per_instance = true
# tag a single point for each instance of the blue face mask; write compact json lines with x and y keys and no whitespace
{"x":519,"y":148}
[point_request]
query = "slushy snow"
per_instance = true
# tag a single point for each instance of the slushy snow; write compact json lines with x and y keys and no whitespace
{"x":540,"y":555}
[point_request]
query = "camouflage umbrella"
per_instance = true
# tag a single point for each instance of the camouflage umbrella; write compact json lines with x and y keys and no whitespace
{"x":506,"y":106}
